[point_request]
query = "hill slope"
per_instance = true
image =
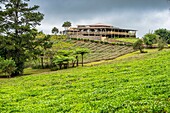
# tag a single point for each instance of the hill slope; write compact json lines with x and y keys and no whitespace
{"x":140,"y":84}
{"x":102,"y":51}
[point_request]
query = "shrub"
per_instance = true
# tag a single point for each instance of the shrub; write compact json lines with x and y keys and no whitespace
{"x":86,"y":40}
{"x":161,"y":44}
{"x":117,"y":43}
{"x":121,"y":43}
{"x":129,"y":44}
{"x":8,"y":66}
{"x":92,"y":41}
{"x":106,"y":42}
{"x":113,"y":43}
{"x":96,"y":41}
{"x":74,"y":38}
{"x":150,"y":39}
{"x":101,"y":42}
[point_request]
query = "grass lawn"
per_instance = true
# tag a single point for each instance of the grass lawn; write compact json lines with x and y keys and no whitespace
{"x":134,"y":84}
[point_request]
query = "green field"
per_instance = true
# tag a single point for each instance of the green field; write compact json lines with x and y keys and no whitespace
{"x":139,"y":83}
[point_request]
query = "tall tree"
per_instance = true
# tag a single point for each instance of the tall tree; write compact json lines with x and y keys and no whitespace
{"x":66,"y":25}
{"x":150,"y":39}
{"x":62,"y":58}
{"x":161,"y":43}
{"x":138,"y":45}
{"x":55,"y":30}
{"x":82,"y":52}
{"x":17,"y":31}
{"x":164,"y":35}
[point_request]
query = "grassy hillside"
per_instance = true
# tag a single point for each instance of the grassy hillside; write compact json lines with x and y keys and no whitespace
{"x":98,"y":51}
{"x":102,"y":51}
{"x":137,"y":84}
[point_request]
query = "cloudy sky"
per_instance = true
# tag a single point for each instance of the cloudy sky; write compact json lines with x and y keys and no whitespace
{"x":142,"y":15}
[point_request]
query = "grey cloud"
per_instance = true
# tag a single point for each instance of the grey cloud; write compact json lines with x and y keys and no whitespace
{"x":79,"y":9}
{"x":121,"y":13}
{"x":93,"y":6}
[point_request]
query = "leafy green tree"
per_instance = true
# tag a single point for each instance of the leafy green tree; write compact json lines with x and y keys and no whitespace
{"x":55,"y":31}
{"x":150,"y":39}
{"x":82,"y":52}
{"x":164,"y":34}
{"x":17,"y":31}
{"x":66,"y":25}
{"x":64,"y":52}
{"x":45,"y":46}
{"x":58,"y":60}
{"x":62,"y":58}
{"x":138,"y":45}
{"x":161,"y":43}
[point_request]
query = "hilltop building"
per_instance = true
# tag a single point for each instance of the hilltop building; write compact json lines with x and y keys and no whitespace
{"x":100,"y":30}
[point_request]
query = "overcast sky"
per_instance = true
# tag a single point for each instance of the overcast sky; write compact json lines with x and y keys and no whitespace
{"x":141,"y":15}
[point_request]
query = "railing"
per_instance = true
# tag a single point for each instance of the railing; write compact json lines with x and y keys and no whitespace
{"x":102,"y":33}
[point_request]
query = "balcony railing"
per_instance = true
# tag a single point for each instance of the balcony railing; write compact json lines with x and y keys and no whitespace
{"x":103,"y":33}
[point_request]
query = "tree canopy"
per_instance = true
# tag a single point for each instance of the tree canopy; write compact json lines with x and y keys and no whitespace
{"x":150,"y":39}
{"x":17,"y":31}
{"x":55,"y":30}
{"x":66,"y":25}
{"x":82,"y":52}
{"x":138,"y":45}
{"x":164,"y":34}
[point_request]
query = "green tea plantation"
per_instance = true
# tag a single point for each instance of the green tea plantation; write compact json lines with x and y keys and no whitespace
{"x":138,"y":84}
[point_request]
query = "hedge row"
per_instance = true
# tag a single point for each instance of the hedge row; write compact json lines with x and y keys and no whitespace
{"x":104,"y":42}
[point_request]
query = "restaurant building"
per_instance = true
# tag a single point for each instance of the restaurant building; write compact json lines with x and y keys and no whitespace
{"x":100,"y":30}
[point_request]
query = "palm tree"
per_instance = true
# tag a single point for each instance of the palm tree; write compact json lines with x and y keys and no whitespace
{"x":82,"y":51}
{"x":63,"y":58}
